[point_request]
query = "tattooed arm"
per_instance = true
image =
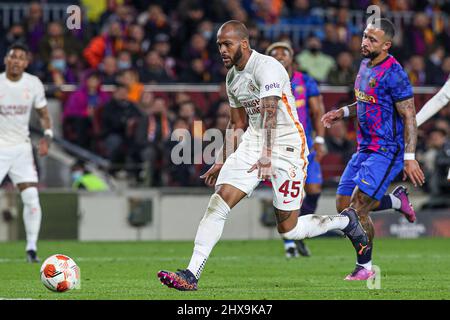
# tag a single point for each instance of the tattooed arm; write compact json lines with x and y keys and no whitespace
{"x":269,"y":107}
{"x":412,"y":169}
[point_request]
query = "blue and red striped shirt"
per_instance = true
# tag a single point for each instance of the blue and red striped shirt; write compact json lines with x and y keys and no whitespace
{"x":377,"y":89}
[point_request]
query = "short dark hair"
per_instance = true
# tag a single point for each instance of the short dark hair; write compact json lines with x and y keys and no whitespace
{"x":387,"y":26}
{"x":19,"y":46}
{"x":237,"y":27}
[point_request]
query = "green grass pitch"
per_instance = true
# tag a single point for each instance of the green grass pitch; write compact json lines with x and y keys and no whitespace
{"x":410,"y":269}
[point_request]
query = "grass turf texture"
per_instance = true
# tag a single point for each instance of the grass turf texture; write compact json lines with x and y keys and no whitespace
{"x":411,"y":269}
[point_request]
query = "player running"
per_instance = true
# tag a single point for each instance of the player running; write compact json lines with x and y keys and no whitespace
{"x":387,"y":134}
{"x":273,"y":147}
{"x":19,"y":93}
{"x":310,"y":110}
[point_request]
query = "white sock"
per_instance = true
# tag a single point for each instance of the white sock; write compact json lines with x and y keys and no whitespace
{"x":396,"y":203}
{"x":310,"y":226}
{"x":208,"y":233}
{"x":32,"y":215}
{"x":367,"y":265}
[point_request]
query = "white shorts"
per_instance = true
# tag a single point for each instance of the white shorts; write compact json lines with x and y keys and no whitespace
{"x":289,"y":168}
{"x":18,"y":163}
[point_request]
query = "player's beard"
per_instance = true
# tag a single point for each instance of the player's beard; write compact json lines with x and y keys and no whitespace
{"x":371,"y":55}
{"x":236,"y":58}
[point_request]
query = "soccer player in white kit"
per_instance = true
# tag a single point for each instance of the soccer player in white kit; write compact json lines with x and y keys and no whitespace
{"x":19,"y":93}
{"x":273,"y":147}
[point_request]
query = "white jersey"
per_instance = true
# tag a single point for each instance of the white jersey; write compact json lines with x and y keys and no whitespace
{"x":17,"y":98}
{"x":264,"y":76}
{"x":436,"y":103}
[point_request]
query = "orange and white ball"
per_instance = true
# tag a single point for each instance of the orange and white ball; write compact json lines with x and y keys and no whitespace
{"x":60,"y":273}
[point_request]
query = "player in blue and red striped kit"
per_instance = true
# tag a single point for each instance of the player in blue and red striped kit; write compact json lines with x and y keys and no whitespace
{"x":310,"y":111}
{"x":387,"y":135}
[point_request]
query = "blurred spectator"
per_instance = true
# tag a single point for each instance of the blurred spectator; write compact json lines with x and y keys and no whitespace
{"x":299,"y":13}
{"x":416,"y":71}
{"x":222,"y":117}
{"x":332,"y":46}
{"x":122,"y":14}
{"x":419,"y":37}
{"x":83,"y":179}
{"x":196,"y":73}
{"x":130,"y":79}
{"x":155,"y":22}
{"x":436,"y":161}
{"x":313,"y":61}
{"x":266,"y":11}
{"x":34,"y":26}
{"x":106,"y":44}
{"x":197,"y":49}
{"x":154,"y":70}
{"x":433,"y":66}
{"x":191,"y":14}
{"x":80,"y":111}
{"x":124,"y":60}
{"x":136,"y":44}
{"x":119,"y":122}
{"x":163,"y":47}
{"x":111,"y":6}
{"x":337,"y":141}
{"x":183,"y":174}
{"x":54,"y":39}
{"x":446,"y":67}
{"x":206,"y":29}
{"x":58,"y":71}
{"x":16,"y":33}
{"x":343,"y":74}
{"x":344,"y":25}
{"x":152,"y":135}
{"x":108,"y":70}
{"x":355,"y":50}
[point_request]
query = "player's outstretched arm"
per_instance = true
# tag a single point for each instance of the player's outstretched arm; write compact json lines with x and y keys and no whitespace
{"x":332,"y":116}
{"x":269,"y":106}
{"x":46,"y":124}
{"x":439,"y":100}
{"x":411,"y":169}
{"x":236,"y":126}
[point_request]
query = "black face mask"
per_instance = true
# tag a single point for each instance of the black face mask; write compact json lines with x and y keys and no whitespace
{"x":314,"y":50}
{"x":15,"y":37}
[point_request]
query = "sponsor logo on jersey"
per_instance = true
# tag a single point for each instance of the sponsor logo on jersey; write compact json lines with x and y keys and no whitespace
{"x":272,"y":86}
{"x":292,"y":172}
{"x":12,"y":110}
{"x":372,"y":82}
{"x":251,"y":87}
{"x":364,"y":97}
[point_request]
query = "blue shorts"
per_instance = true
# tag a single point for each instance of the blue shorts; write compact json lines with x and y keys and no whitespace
{"x":313,"y":171}
{"x":371,"y":172}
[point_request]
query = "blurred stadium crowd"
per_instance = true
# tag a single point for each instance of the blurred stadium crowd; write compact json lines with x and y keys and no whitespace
{"x":133,"y":43}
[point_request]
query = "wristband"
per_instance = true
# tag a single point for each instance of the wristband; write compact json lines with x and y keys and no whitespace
{"x":409,"y":156}
{"x":319,"y":140}
{"x":346,"y":111}
{"x":48,"y":133}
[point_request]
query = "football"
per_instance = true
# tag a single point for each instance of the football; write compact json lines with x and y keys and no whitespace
{"x":60,"y":273}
